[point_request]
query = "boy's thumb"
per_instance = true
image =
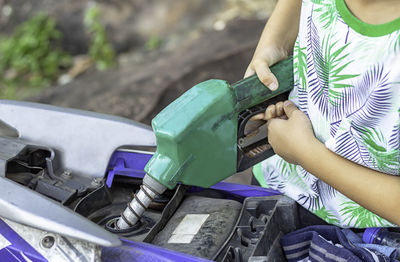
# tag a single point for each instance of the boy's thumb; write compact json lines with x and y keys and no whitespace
{"x":289,"y":108}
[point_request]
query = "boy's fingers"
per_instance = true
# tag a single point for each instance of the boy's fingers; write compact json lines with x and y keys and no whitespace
{"x":259,"y":116}
{"x":265,"y":75}
{"x":270,"y":112}
{"x":249,"y":72}
{"x":284,"y":117}
{"x":279,"y":109}
{"x":289,"y":108}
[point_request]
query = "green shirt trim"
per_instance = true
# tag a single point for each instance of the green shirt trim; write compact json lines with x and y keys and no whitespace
{"x":365,"y":28}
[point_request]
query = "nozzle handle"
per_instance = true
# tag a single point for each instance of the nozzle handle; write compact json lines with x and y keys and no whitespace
{"x":253,"y":97}
{"x":251,"y":91}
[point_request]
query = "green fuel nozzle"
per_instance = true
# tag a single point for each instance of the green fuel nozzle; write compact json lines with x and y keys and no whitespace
{"x":201,"y":136}
{"x":198,"y":134}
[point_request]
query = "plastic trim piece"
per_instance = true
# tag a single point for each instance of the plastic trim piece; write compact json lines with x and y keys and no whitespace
{"x":48,"y":215}
{"x":84,"y":141}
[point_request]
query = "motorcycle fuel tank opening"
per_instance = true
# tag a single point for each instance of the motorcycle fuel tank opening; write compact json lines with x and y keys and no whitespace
{"x":141,"y":227}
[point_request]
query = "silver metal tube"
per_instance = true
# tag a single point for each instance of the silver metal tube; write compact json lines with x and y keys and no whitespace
{"x":141,"y":201}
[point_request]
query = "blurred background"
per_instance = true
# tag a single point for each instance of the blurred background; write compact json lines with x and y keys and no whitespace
{"x":129,"y":58}
{"x":123,"y":57}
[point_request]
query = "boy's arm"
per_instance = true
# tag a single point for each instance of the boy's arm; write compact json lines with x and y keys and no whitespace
{"x":293,"y":139}
{"x":376,"y":191}
{"x":276,"y":42}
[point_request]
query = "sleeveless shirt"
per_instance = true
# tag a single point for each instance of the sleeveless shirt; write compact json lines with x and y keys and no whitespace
{"x":347,"y":81}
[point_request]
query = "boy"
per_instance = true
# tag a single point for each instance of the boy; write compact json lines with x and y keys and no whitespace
{"x":337,"y":141}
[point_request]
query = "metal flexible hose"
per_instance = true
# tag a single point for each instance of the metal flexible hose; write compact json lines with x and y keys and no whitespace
{"x":140,"y":202}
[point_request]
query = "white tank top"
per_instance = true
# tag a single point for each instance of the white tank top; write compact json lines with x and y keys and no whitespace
{"x":347,"y":81}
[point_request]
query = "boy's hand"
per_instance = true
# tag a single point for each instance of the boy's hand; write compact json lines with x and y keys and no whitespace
{"x":260,"y":64}
{"x":290,"y":138}
{"x":258,"y":120}
{"x":272,"y":111}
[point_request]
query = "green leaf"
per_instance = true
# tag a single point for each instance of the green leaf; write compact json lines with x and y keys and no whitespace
{"x":334,"y":78}
{"x":289,"y":172}
{"x":33,"y":52}
{"x":327,"y":216}
{"x":326,"y":11}
{"x":300,"y":59}
{"x":100,"y":49}
{"x":357,"y":216}
{"x":395,"y":41}
{"x":377,"y":146}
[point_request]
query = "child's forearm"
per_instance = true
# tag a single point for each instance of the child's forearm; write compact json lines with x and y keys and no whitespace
{"x":281,"y":29}
{"x":276,"y":41}
{"x":293,"y":139}
{"x":377,"y":192}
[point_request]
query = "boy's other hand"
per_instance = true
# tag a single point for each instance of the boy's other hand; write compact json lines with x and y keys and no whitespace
{"x":290,"y":138}
{"x":272,"y":111}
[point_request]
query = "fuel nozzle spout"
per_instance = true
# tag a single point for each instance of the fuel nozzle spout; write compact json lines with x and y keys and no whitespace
{"x":140,"y":202}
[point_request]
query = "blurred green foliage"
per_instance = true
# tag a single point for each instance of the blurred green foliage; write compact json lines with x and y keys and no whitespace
{"x":99,"y":49}
{"x":153,"y":43}
{"x":31,"y":57}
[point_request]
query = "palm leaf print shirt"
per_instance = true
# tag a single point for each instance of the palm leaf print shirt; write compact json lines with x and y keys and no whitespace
{"x":347,"y":81}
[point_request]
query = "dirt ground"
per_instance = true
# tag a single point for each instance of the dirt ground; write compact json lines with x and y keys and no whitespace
{"x":200,"y":40}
